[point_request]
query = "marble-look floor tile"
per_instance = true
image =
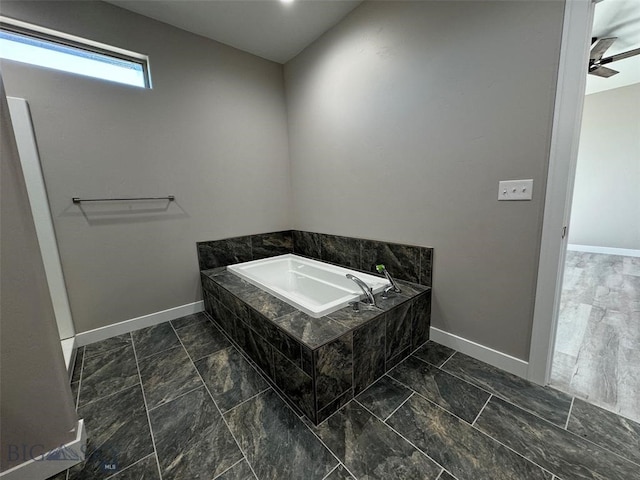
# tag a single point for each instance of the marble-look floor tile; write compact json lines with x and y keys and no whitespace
{"x":155,"y":339}
{"x":75,"y":390}
{"x":77,"y":365}
{"x":192,"y":439}
{"x":544,"y":401}
{"x":446,"y":476}
{"x":107,"y":345}
{"x":202,"y":339}
{"x":369,"y":449}
{"x":604,"y":428}
{"x":339,"y":473}
{"x":188,"y":320}
{"x":107,"y":373}
{"x":276,"y":442}
{"x":457,"y":446}
{"x":384,"y":396}
{"x":240,"y":471}
{"x":60,"y":476}
{"x":454,"y":395}
{"x":117,"y":434}
{"x":555,"y":449}
{"x":631,"y":266}
{"x":145,"y":469}
{"x":230,"y":378}
{"x":571,"y":331}
{"x":167,"y":375}
{"x":434,"y":353}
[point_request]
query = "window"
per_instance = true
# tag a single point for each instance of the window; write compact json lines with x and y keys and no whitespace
{"x":39,"y":46}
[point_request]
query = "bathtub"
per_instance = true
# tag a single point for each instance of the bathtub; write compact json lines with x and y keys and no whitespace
{"x":315,"y":287}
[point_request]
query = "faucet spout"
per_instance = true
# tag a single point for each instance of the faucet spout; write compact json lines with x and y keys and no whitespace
{"x":364,"y":287}
{"x":393,"y":286}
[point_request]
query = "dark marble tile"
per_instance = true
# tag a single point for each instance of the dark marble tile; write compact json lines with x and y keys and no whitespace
{"x":257,"y":349}
{"x":240,"y":471}
{"x":75,"y":389}
{"x":271,"y":244}
{"x":231,"y":283}
{"x":403,"y":355}
{"x":434,"y":353}
{"x":552,"y":447}
{"x":611,"y":431}
{"x":307,"y":360}
{"x":167,"y":375}
{"x":420,"y":320}
{"x":398,"y":329}
{"x":276,"y":442}
{"x":145,"y":469}
{"x":369,"y":449}
{"x":350,"y":318}
{"x":192,"y":439}
{"x":454,"y":395}
{"x":225,"y":319}
{"x":107,"y":345}
{"x":401,"y":261}
{"x":457,"y":446}
{"x":77,"y":365}
{"x":209,"y":284}
{"x":151,"y":340}
{"x":446,"y":476}
{"x":268,"y":305}
{"x":368,"y":354}
{"x":295,"y":384}
{"x":117,"y":434}
{"x":334,"y":369}
{"x":224,"y":252}
{"x":343,"y":251}
{"x":544,"y":401}
{"x":339,"y":473}
{"x":60,"y":476}
{"x":108,"y":373}
{"x":230,"y":378}
{"x":202,"y":338}
{"x":335,"y":405}
{"x":384,"y":396}
{"x":306,"y":243}
{"x":312,"y":332}
{"x":426,"y":266}
{"x":187,"y":320}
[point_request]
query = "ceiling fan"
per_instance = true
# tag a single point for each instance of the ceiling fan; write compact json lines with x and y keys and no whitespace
{"x":596,"y":62}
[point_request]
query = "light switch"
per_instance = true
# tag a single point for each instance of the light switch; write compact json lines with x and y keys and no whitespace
{"x":515,"y":190}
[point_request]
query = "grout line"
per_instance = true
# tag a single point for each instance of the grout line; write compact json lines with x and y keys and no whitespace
{"x":331,"y":471}
{"x":80,"y":379}
{"x":129,"y":466}
{"x":566,"y":425}
{"x":450,"y":357}
{"x":174,"y":398}
{"x":399,"y":406}
{"x":216,"y":405}
{"x":481,"y":410}
{"x":376,"y":416}
{"x":442,"y":471}
{"x":248,"y":399}
{"x":225,"y":471}
{"x":146,"y":409}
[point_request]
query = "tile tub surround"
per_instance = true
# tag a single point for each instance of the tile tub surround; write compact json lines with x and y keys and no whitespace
{"x":405,"y":262}
{"x":319,"y":364}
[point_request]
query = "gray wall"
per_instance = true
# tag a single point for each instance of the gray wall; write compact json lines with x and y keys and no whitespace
{"x":606,"y":196}
{"x":402,"y":120}
{"x":212,"y":132}
{"x":40,"y":412}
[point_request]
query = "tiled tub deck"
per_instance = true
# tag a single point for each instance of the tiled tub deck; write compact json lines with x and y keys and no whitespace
{"x":319,"y":364}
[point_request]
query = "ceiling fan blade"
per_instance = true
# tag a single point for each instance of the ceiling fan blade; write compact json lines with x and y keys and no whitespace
{"x":600,"y":47}
{"x":620,"y":56}
{"x":603,"y":72}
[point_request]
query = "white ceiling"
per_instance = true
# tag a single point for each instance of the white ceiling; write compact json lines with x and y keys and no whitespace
{"x":617,"y":18}
{"x":269,"y":29}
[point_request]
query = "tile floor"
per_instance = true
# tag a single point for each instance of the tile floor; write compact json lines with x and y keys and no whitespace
{"x":597,"y":352}
{"x":177,"y":401}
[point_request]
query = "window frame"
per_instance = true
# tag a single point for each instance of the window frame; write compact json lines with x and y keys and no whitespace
{"x":37,"y":32}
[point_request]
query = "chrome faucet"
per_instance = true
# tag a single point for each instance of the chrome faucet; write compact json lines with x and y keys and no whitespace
{"x":365,"y":288}
{"x":393,"y":286}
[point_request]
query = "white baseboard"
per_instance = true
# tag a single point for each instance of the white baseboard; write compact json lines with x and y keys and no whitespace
{"x":480,"y":352}
{"x":625,"y":252}
{"x":126,"y":326}
{"x":52,"y":462}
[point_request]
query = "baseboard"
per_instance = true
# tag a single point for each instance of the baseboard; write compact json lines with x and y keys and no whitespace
{"x":625,"y":252}
{"x":126,"y":326}
{"x":480,"y":352}
{"x":52,"y":462}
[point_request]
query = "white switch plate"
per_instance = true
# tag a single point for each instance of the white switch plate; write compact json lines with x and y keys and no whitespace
{"x":515,"y":189}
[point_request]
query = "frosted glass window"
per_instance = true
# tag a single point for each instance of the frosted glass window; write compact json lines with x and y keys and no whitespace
{"x":50,"y":53}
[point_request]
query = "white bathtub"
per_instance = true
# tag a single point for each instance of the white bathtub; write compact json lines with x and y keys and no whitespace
{"x":315,"y":287}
